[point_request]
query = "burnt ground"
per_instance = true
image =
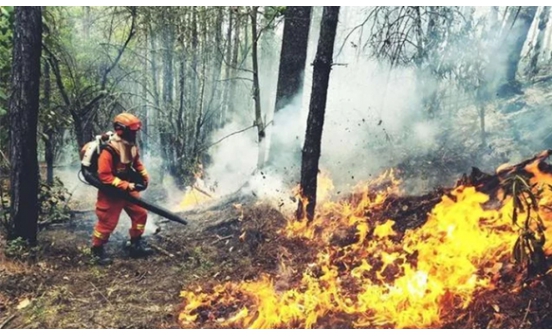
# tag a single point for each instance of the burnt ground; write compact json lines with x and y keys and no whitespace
{"x":55,"y":285}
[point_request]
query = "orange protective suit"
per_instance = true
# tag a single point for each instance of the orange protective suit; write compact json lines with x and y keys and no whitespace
{"x":108,"y":208}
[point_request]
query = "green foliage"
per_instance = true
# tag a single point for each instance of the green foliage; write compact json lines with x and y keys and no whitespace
{"x":528,"y":249}
{"x":6,"y":34}
{"x":16,"y":248}
{"x":53,"y":201}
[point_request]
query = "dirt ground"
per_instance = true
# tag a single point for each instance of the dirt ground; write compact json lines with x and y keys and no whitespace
{"x":55,"y":285}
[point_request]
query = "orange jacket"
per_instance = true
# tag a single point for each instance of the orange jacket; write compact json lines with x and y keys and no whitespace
{"x":107,"y":169}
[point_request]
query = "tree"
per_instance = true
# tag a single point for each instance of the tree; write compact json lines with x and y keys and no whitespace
{"x":23,"y":109}
{"x":83,"y":97}
{"x":539,"y":44}
{"x":256,"y":89}
{"x":293,"y":56}
{"x":48,"y":130}
{"x":315,"y":121}
{"x":523,"y":18}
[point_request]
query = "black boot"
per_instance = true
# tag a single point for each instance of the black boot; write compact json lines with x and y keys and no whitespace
{"x":100,"y":258}
{"x":138,"y":248}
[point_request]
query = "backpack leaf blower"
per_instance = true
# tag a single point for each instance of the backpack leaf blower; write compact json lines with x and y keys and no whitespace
{"x":89,"y":171}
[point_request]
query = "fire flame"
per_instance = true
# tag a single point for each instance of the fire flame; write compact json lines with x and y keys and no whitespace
{"x":378,"y":280}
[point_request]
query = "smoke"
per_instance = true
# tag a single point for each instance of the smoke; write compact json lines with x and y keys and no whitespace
{"x":368,"y":109}
{"x":376,"y":117}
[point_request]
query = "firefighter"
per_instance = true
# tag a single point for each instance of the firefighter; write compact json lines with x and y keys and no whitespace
{"x":115,"y":167}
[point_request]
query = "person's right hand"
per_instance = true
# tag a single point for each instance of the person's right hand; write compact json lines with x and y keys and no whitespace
{"x":131,"y":186}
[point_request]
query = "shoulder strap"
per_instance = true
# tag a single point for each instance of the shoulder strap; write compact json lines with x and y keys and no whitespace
{"x":112,"y":151}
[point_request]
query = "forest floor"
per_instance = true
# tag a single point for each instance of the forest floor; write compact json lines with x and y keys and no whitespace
{"x":234,"y":239}
{"x":55,"y":285}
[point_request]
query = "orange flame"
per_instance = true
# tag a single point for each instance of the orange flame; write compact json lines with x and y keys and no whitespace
{"x":378,"y":281}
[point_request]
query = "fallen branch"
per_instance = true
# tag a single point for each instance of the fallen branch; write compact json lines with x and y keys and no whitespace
{"x":526,"y":313}
{"x":202,"y":191}
{"x":103,"y":296}
{"x":4,"y":156}
{"x":6,"y":321}
{"x":161,"y":250}
{"x":222,"y":238}
{"x":84,"y":211}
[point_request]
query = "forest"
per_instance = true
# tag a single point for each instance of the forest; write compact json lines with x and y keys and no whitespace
{"x":275,"y":167}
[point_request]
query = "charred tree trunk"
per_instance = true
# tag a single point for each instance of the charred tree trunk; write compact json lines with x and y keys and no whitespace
{"x":293,"y":56}
{"x":543,"y":22}
{"x":154,"y":125}
{"x":227,"y":83}
{"x":315,"y":121}
{"x":515,"y":41}
{"x":180,"y":123}
{"x":23,"y":109}
{"x":202,"y":85}
{"x":165,"y":128}
{"x":145,"y":142}
{"x":216,"y":94}
{"x":234,"y":63}
{"x":481,"y":112}
{"x":49,"y":149}
{"x":256,"y":89}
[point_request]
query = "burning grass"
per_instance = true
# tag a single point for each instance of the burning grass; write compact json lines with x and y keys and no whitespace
{"x":382,"y":259}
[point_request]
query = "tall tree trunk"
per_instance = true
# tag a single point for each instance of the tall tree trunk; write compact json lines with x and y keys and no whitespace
{"x":155,"y":115}
{"x":194,"y":78}
{"x":293,"y":56}
{"x":23,"y":109}
{"x":315,"y":121}
{"x":168,"y":80}
{"x":543,"y":22}
{"x":234,"y":63}
{"x":48,"y":129}
{"x":202,"y":77}
{"x":481,"y":112}
{"x":227,"y":84}
{"x":256,"y":89}
{"x":145,"y":142}
{"x":180,"y":123}
{"x":216,"y":94}
{"x":515,"y":41}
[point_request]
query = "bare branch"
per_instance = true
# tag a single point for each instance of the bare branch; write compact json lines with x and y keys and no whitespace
{"x":130,"y":35}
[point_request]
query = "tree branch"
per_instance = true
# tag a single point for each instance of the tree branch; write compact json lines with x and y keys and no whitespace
{"x":130,"y":35}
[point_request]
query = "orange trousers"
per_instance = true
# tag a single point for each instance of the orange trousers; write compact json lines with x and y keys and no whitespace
{"x":108,"y":211}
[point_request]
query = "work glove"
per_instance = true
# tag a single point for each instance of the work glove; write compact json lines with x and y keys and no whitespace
{"x":146,"y":177}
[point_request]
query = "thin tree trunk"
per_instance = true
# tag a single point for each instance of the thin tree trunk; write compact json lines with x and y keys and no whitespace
{"x":23,"y":109}
{"x":181,"y":82}
{"x":293,"y":54}
{"x":155,"y":117}
{"x":516,"y":40}
{"x":543,"y":22}
{"x":256,"y":89}
{"x":48,"y":129}
{"x":216,"y":94}
{"x":168,"y":82}
{"x":145,"y":142}
{"x":227,"y":83}
{"x":482,"y":124}
{"x":315,"y":122}
{"x":234,"y":63}
{"x":293,"y":57}
{"x":199,"y":120}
